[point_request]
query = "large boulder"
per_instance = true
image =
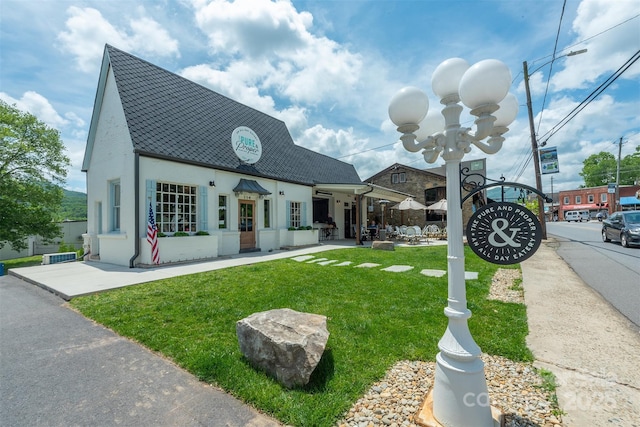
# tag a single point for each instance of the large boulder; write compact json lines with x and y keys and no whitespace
{"x":383,"y":245}
{"x":285,"y":343}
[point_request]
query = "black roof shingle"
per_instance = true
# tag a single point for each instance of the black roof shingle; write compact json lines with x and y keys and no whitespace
{"x":174,"y":118}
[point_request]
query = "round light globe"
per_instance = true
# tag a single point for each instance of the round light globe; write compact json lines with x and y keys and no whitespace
{"x":433,"y":122}
{"x":408,"y":105}
{"x":507,"y":112}
{"x":446,"y":77}
{"x":485,"y":82}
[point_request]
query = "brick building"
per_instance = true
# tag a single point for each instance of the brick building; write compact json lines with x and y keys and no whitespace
{"x":598,"y":199}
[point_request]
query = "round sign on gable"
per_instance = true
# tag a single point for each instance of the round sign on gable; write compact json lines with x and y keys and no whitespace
{"x":504,"y":233}
{"x":246,"y":144}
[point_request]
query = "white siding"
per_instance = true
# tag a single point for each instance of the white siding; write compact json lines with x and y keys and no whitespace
{"x":112,"y":158}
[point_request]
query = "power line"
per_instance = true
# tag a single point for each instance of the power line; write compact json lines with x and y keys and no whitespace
{"x":587,"y":39}
{"x":604,"y":85}
{"x":555,"y":49}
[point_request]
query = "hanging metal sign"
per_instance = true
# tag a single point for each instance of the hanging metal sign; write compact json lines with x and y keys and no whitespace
{"x":504,"y":233}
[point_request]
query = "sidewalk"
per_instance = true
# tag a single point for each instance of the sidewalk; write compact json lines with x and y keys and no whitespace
{"x":592,"y":349}
{"x":73,"y":279}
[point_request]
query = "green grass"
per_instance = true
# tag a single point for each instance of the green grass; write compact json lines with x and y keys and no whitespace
{"x":375,"y":318}
{"x":21,"y":262}
{"x":549,"y":385}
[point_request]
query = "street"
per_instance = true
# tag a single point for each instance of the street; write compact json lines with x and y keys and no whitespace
{"x":608,"y":268}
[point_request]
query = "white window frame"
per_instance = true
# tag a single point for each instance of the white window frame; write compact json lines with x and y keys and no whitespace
{"x":266,"y":211}
{"x":578,"y":200}
{"x":223,"y":211}
{"x":176,"y":207}
{"x":295,"y":214}
{"x":115,"y":199}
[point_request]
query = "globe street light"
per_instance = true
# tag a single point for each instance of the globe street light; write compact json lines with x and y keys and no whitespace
{"x":459,"y":395}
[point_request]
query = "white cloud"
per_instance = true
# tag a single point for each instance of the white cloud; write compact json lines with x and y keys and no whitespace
{"x":39,"y":106}
{"x":609,"y":45}
{"x":253,"y":28}
{"x":150,"y":38}
{"x":88,"y":31}
{"x":231,"y":84}
{"x":275,"y":40}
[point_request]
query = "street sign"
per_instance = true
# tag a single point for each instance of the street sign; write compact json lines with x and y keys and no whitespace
{"x":504,"y":233}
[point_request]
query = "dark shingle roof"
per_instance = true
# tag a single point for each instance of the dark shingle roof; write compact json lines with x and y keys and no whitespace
{"x":174,"y":118}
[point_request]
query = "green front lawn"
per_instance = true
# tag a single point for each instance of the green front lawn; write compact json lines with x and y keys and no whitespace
{"x":21,"y":262}
{"x":375,"y":318}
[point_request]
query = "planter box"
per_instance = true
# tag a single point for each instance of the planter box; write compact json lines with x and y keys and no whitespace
{"x":184,"y":248}
{"x":300,"y":237}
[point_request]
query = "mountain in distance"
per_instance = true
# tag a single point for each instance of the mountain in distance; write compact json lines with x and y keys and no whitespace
{"x":74,"y":206}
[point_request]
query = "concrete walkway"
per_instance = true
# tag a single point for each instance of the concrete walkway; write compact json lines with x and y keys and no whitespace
{"x":69,"y":280}
{"x":592,"y":349}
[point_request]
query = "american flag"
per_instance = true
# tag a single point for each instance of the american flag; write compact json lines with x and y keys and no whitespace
{"x":152,"y":236}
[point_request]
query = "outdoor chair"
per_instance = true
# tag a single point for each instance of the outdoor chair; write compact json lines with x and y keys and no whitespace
{"x":411,"y":236}
{"x":433,"y":231}
{"x":425,"y":234}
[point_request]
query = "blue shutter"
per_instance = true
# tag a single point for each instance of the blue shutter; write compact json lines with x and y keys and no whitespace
{"x":203,"y":209}
{"x":288,"y":214}
{"x":303,"y":215}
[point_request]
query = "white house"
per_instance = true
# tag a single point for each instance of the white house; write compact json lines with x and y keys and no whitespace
{"x":203,"y":163}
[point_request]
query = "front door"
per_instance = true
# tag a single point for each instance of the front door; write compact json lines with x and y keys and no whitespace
{"x":246,"y":224}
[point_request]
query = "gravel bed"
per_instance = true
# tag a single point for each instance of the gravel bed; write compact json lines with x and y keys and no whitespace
{"x":514,"y":387}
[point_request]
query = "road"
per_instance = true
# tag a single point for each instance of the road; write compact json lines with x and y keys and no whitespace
{"x":610,"y":269}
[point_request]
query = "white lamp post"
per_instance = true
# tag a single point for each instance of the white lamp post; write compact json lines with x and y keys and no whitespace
{"x":459,"y":395}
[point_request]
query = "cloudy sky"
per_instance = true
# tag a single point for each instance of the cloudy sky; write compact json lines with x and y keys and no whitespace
{"x":329,"y":68}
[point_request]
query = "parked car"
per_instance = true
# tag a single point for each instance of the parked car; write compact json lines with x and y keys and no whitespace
{"x":577,"y":216}
{"x":623,"y":226}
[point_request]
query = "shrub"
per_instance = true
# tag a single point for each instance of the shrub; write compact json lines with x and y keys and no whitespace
{"x":180,"y":234}
{"x":202,"y":233}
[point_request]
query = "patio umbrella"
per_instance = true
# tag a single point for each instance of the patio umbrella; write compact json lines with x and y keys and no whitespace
{"x":409,"y":203}
{"x":439,"y":207}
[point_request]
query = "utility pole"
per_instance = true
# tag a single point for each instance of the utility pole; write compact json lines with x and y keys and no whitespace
{"x":616,"y":205}
{"x":553,"y":214}
{"x":534,"y":148}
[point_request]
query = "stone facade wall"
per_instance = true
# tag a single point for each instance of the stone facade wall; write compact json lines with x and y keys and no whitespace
{"x":416,"y":182}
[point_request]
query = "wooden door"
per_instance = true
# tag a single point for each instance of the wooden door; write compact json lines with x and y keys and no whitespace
{"x":246,"y":224}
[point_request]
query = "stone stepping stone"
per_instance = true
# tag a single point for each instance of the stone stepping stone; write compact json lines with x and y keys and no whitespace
{"x":313,"y":261}
{"x":468,"y":275}
{"x":331,"y":261}
{"x":368,"y":265}
{"x":302,"y":258}
{"x":398,"y":268}
{"x":433,"y":273}
{"x":343,"y":264}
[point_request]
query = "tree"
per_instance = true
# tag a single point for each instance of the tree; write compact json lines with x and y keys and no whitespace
{"x":601,"y":169}
{"x":33,"y":167}
{"x":630,"y":168}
